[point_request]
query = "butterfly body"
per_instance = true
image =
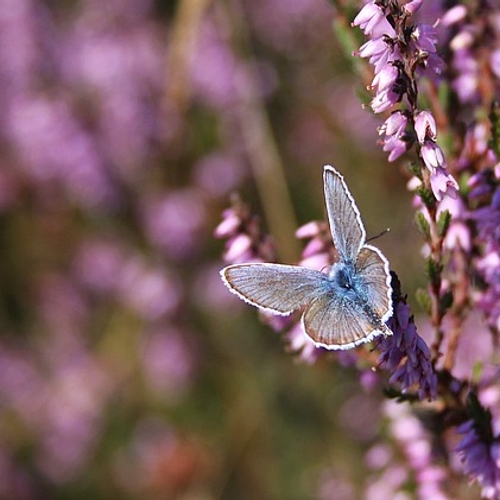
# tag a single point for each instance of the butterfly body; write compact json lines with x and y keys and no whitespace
{"x":342,"y":309}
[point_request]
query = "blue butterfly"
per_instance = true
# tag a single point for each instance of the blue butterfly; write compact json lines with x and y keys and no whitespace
{"x":343,"y":308}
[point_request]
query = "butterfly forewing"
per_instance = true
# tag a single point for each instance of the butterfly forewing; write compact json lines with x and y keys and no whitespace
{"x":343,"y":215}
{"x":374,"y":269}
{"x":276,"y":287}
{"x":337,"y":324}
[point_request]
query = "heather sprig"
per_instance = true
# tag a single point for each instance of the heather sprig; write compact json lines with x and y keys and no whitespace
{"x":245,"y":240}
{"x":401,"y":52}
{"x":479,"y":448}
{"x":405,"y":354}
{"x":460,"y":228}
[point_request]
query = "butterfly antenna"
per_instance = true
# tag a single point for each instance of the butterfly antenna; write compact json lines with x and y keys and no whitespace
{"x":385,"y":231}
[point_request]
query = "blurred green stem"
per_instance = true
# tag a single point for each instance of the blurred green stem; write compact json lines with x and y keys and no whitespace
{"x":188,"y":17}
{"x":261,"y":145}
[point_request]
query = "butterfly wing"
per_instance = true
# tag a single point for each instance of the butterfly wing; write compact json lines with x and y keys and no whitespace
{"x":347,"y":229}
{"x":334,"y":323}
{"x":278,"y":288}
{"x":373,"y":268}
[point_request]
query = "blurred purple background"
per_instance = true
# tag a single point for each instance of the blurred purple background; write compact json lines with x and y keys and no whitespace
{"x":126,"y":369}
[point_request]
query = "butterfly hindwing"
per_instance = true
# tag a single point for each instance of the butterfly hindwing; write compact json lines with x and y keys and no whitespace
{"x":373,"y":267}
{"x":335,"y":323}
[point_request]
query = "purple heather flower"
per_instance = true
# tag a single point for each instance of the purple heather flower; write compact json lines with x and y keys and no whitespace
{"x":53,"y":147}
{"x":239,"y":249}
{"x":383,"y":52}
{"x":480,"y":454}
{"x":466,"y":82}
{"x":384,"y":100}
{"x":432,"y":155}
{"x":302,"y":344}
{"x":394,"y":129}
{"x":97,"y":265}
{"x":388,"y":484}
{"x":443,"y":184}
{"x":424,"y":37}
{"x":454,"y":15}
{"x":379,"y":52}
{"x":219,"y":173}
{"x":425,"y":126}
{"x":413,"y":6}
{"x":174,"y":221}
{"x":371,"y":19}
{"x":230,"y":224}
{"x":483,"y":183}
{"x":489,"y":300}
{"x":317,"y":253}
{"x":414,"y":441}
{"x":424,"y":40}
{"x":458,"y":234}
{"x":462,"y":41}
{"x":395,"y":146}
{"x":151,"y":291}
{"x":167,"y":362}
{"x":465,"y":63}
{"x":385,"y":78}
{"x":487,"y":219}
{"x":406,"y":355}
{"x":244,"y":240}
{"x":475,"y":145}
{"x":395,"y":125}
{"x":378,"y":456}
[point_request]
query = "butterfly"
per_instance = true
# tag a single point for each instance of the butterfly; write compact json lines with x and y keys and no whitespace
{"x":342,"y":308}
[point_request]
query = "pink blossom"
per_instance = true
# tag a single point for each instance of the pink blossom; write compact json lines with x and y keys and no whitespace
{"x":432,"y":155}
{"x":395,"y":147}
{"x":413,"y":6}
{"x":238,"y":248}
{"x":443,"y":184}
{"x":385,"y":78}
{"x":370,"y":18}
{"x":394,"y":125}
{"x":425,"y":126}
{"x":384,"y":100}
{"x":424,"y":36}
{"x":454,"y":15}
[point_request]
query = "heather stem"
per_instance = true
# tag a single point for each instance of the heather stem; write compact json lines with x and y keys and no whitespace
{"x":460,"y":302}
{"x":436,"y":246}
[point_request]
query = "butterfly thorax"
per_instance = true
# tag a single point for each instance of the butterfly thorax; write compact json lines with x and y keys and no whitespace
{"x":345,"y":281}
{"x":346,"y":285}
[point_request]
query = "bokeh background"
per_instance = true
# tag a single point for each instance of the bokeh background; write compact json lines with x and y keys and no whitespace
{"x":126,"y":369}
